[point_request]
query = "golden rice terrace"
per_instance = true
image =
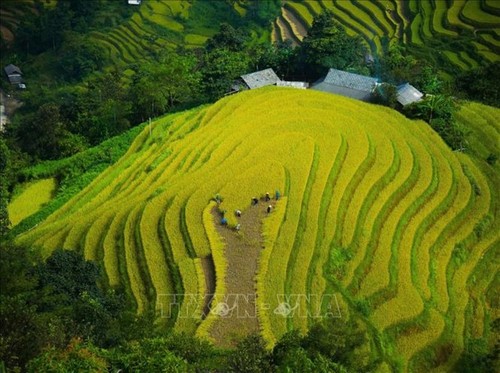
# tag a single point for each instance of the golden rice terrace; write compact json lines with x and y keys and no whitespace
{"x":378,"y":219}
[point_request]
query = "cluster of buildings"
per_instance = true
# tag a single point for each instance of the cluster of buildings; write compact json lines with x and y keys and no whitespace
{"x":340,"y":82}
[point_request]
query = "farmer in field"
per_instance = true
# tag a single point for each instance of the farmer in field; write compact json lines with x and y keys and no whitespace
{"x":269,"y":208}
{"x":223,"y":221}
{"x":254,"y":201}
{"x":268,"y":197}
{"x":238,"y":213}
{"x":277,"y":194}
{"x":238,"y":227}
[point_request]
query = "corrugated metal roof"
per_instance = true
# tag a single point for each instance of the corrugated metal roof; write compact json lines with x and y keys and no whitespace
{"x":12,"y":69}
{"x":260,"y":78}
{"x":299,"y":85}
{"x":350,"y":80}
{"x":408,"y":94}
{"x":343,"y":91}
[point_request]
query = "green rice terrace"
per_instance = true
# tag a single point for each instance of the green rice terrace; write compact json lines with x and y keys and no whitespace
{"x":458,"y":33}
{"x":377,"y":219}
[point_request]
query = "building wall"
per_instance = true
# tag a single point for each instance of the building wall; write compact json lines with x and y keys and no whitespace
{"x":343,"y":91}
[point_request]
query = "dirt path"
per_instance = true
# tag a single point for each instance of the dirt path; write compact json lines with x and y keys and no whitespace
{"x":238,"y":316}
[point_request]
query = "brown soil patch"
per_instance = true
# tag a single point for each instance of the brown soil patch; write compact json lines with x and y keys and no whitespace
{"x":297,"y":22}
{"x":238,"y":316}
{"x":7,"y":35}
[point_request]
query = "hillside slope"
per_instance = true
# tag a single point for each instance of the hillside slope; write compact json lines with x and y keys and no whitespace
{"x":379,"y":219}
{"x":464,"y":32}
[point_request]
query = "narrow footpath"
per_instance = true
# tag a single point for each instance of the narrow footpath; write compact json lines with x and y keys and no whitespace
{"x":237,"y":310}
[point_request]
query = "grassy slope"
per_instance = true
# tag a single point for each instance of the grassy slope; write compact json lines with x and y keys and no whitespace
{"x":31,"y":199}
{"x":408,"y":229}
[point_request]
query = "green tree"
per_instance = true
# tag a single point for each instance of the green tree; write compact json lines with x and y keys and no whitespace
{"x":76,"y":357}
{"x":433,"y":107}
{"x":481,"y":84}
{"x":250,"y":356}
{"x":44,"y":135}
{"x":162,"y":84}
{"x":439,"y":111}
{"x":68,"y":273}
{"x":386,"y":94}
{"x":263,"y":12}
{"x":148,"y":355}
{"x":4,"y":194}
{"x":327,"y":45}
{"x":337,"y":340}
{"x":79,"y":56}
{"x":228,"y":37}
{"x":282,"y":57}
{"x":220,"y":68}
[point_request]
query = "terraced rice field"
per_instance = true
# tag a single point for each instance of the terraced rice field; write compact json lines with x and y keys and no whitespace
{"x":155,"y":25}
{"x":466,"y":32}
{"x":377,"y":216}
{"x":31,"y":199}
{"x":11,"y":14}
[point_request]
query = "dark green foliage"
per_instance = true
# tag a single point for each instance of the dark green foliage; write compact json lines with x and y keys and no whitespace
{"x":220,"y":68}
{"x":329,"y":346}
{"x":4,"y":195}
{"x":451,"y":132}
{"x":76,"y":357}
{"x":4,"y":156}
{"x":327,"y":45}
{"x":289,"y":355}
{"x":81,"y":8}
{"x":150,"y":355}
{"x":102,"y":111}
{"x":43,"y":30}
{"x":47,"y":304}
{"x":250,"y":356}
{"x":23,"y":329}
{"x":281,"y":57}
{"x":67,"y":273}
{"x":228,"y":37}
{"x":159,"y":85}
{"x":43,"y":134}
{"x":492,"y":159}
{"x":78,"y":57}
{"x":263,"y":12}
{"x":337,"y":340}
{"x":398,"y":66}
{"x":481,"y":84}
{"x":386,"y":94}
{"x":439,"y":111}
{"x":479,"y":358}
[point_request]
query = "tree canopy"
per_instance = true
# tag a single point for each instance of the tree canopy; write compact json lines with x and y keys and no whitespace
{"x":327,"y":45}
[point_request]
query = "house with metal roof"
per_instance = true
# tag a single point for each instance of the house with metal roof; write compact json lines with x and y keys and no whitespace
{"x":14,"y":74}
{"x":134,"y":2}
{"x":260,"y":79}
{"x":291,"y":84}
{"x":347,"y":84}
{"x":408,"y":94}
